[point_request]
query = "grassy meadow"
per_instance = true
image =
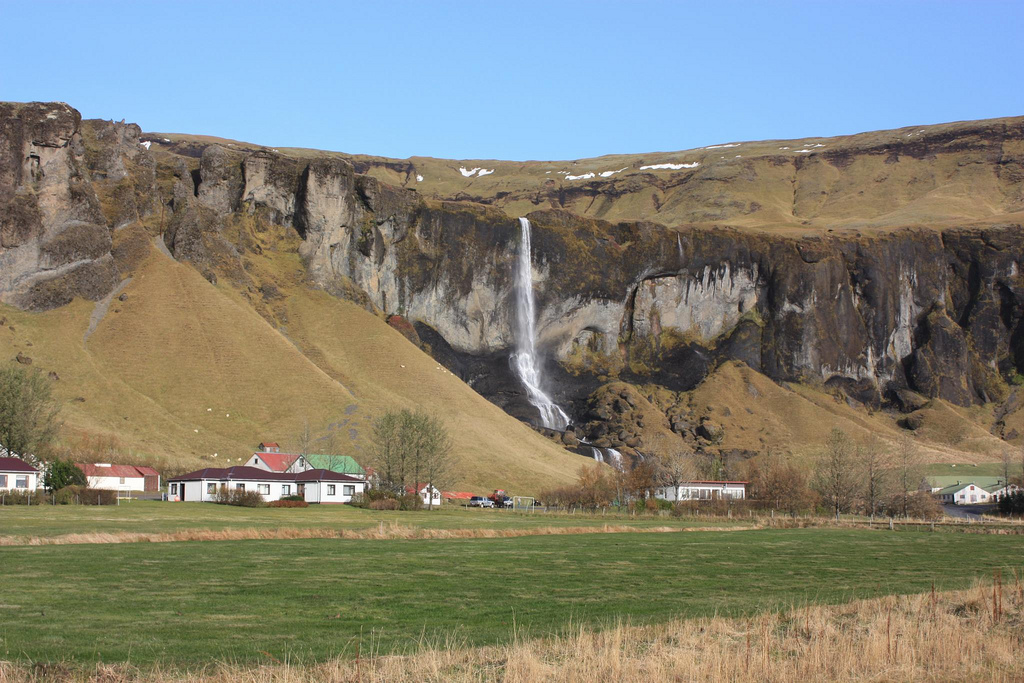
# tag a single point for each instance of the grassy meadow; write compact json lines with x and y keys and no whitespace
{"x":154,"y":517}
{"x":184,"y":604}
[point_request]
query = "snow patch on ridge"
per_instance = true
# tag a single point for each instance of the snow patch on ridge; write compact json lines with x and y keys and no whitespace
{"x":674,"y":167}
{"x":477,"y":171}
{"x":734,"y":144}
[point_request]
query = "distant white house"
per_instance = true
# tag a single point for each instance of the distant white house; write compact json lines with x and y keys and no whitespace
{"x":703,"y":490}
{"x":18,"y":475}
{"x":315,"y":486}
{"x":1000,"y":490}
{"x":972,"y":494}
{"x":430,"y":496}
{"x":120,"y":477}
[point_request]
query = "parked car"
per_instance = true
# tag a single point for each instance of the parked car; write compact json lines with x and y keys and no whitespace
{"x":480,"y":502}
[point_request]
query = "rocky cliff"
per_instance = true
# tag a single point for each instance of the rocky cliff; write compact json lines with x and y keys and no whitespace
{"x":881,"y":313}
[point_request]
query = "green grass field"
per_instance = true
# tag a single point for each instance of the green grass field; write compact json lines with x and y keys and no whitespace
{"x":184,"y":604}
{"x":46,"y":521}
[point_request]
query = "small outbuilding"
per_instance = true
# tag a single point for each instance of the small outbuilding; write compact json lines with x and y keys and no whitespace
{"x":703,"y":490}
{"x":18,"y":475}
{"x":430,"y":495}
{"x":110,"y":477}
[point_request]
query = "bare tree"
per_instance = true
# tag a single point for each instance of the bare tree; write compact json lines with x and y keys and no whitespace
{"x":779,"y":484}
{"x":675,"y":467}
{"x":907,"y":465}
{"x":834,"y":477}
{"x":304,"y":439}
{"x":1006,"y":466}
{"x":876,"y":469}
{"x":411,"y":448}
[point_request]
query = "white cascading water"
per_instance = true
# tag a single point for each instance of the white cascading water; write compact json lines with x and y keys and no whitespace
{"x":525,"y":362}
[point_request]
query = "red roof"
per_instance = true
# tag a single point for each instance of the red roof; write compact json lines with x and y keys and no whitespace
{"x":711,"y":481}
{"x":457,"y":495}
{"x":417,"y":488}
{"x":132,"y":471}
{"x":15,"y":465}
{"x":278,"y":462}
{"x":256,"y":474}
{"x":269,"y":444}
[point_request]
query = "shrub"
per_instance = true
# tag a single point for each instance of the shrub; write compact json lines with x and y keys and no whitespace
{"x":16,"y":497}
{"x":384,"y":504}
{"x":63,"y":473}
{"x":383,"y":499}
{"x":83,"y":495}
{"x":288,"y":502}
{"x":296,"y":498}
{"x":239,"y":497}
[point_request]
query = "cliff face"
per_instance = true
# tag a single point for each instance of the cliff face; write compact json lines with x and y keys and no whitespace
{"x":929,"y":307}
{"x":933,"y":310}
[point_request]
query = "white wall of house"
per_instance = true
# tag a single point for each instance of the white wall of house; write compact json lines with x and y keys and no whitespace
{"x":970,"y":494}
{"x":315,"y":492}
{"x":20,"y":481}
{"x":333,"y":491}
{"x":702,"y":491}
{"x":117,"y":483}
{"x":430,"y":496}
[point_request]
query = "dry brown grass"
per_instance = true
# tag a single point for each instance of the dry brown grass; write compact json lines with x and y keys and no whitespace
{"x":390,"y":531}
{"x":394,"y":531}
{"x":973,"y":634}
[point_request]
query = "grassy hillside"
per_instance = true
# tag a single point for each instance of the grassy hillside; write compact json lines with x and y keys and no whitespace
{"x":185,"y":374}
{"x":758,"y":413}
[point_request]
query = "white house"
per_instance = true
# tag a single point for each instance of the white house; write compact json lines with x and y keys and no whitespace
{"x":1000,"y":490}
{"x":277,"y":462}
{"x":120,"y":477}
{"x":430,"y":496}
{"x":18,"y":475}
{"x":315,"y":486}
{"x":703,"y":490}
{"x":964,"y":494}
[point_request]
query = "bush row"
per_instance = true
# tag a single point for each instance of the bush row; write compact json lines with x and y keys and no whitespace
{"x":69,"y":495}
{"x":382,"y":499}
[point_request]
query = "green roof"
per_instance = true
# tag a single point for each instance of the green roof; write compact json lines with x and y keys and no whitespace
{"x":966,"y":478}
{"x":342,"y":464}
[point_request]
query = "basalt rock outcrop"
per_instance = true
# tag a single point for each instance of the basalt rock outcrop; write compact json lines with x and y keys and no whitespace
{"x":893,"y":316}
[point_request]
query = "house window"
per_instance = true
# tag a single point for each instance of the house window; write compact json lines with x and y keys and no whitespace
{"x":240,"y":487}
{"x":174,"y":489}
{"x":330,"y":489}
{"x":286,"y":489}
{"x":3,"y":481}
{"x":122,"y":480}
{"x":349,"y":489}
{"x":21,"y":482}
{"x":263,"y":489}
{"x":211,"y":488}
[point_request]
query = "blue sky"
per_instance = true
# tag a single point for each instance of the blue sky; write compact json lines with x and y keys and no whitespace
{"x":516,"y":80}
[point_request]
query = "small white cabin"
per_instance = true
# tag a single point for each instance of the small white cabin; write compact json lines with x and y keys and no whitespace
{"x":18,"y":475}
{"x":703,"y":491}
{"x":430,"y":495}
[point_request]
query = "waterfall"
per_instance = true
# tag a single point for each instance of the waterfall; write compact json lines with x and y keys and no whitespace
{"x":597,"y":454}
{"x":525,"y":362}
{"x":615,"y":458}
